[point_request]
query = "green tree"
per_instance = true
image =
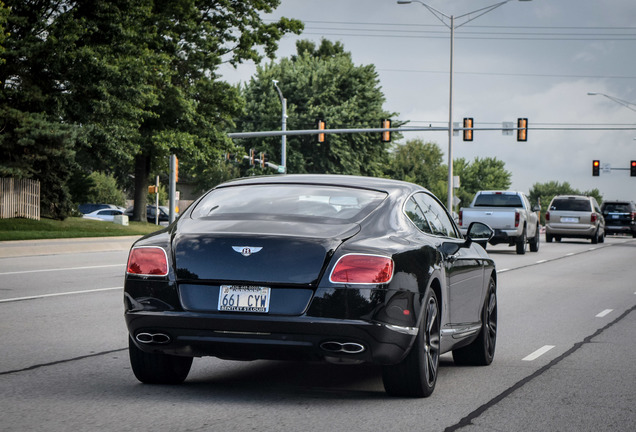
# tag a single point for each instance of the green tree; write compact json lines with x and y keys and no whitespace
{"x":421,"y":163}
{"x":318,"y":83}
{"x":481,"y":174}
{"x":123,"y":83}
{"x":34,"y":142}
{"x":104,"y":189}
{"x":153,"y":89}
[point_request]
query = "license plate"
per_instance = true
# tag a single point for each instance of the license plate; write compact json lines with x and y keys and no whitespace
{"x":570,"y":219}
{"x":615,"y":216}
{"x":234,"y":298}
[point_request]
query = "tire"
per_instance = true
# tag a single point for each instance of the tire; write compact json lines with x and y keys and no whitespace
{"x":595,"y":238}
{"x":481,"y":351}
{"x":152,"y":368}
{"x":522,"y":243}
{"x":535,"y":241}
{"x":548,"y":238}
{"x":416,"y":374}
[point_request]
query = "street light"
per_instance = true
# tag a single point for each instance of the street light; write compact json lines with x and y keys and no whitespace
{"x":615,"y":99}
{"x":452,"y":26}
{"x":283,"y":150}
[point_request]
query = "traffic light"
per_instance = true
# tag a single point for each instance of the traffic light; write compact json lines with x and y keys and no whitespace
{"x":386,"y":135}
{"x":522,"y":129}
{"x":264,"y":160}
{"x":320,"y":124}
{"x":230,"y":157}
{"x":596,"y":165}
{"x":468,"y":129}
{"x":252,"y":157}
{"x":632,"y":168}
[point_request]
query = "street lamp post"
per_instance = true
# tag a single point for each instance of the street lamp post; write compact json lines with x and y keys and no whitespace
{"x":628,"y":105}
{"x":452,"y":26}
{"x":283,"y":150}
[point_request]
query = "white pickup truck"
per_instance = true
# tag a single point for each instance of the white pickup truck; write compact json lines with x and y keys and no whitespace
{"x":509,"y":214}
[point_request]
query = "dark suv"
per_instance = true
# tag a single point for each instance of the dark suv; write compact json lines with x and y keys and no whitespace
{"x":620,"y":217}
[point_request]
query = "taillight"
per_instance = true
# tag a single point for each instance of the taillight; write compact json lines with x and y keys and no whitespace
{"x":517,"y":219}
{"x":147,"y":261}
{"x":362,"y":269}
{"x":547,"y":216}
{"x":633,"y":215}
{"x":593,"y":218}
{"x":461,"y":216}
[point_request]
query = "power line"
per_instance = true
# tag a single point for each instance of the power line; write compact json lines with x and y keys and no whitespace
{"x":509,"y":74}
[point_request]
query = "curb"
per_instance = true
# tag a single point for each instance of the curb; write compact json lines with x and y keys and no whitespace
{"x":21,"y":248}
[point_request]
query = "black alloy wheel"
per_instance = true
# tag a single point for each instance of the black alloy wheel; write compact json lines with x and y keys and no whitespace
{"x":416,"y":375}
{"x":481,"y":351}
{"x":150,"y":368}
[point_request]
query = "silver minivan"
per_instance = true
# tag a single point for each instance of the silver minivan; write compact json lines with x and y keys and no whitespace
{"x":574,"y":216}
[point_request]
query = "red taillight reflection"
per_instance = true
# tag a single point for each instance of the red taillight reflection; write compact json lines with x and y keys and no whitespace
{"x":150,"y":261}
{"x":363,"y":269}
{"x":593,"y":217}
{"x":517,"y":219}
{"x":547,"y":216}
{"x":461,"y":217}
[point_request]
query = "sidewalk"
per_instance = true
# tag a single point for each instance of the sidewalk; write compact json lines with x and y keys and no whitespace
{"x":19,"y":248}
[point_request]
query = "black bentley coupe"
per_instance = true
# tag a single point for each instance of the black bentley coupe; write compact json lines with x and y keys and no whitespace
{"x":313,"y":267}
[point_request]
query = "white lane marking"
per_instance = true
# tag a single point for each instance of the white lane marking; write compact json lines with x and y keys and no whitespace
{"x":502,"y":270}
{"x":62,"y":269}
{"x":604,"y":313}
{"x":59,"y":294}
{"x":542,"y":261}
{"x":538,"y":353}
{"x":569,"y":254}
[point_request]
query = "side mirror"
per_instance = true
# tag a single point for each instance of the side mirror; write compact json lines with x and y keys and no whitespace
{"x":480,"y":233}
{"x":536,"y":208}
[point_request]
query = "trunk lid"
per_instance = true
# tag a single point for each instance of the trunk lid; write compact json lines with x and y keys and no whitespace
{"x":256,"y":251}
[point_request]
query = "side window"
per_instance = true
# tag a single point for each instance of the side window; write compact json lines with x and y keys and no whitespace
{"x":414,"y":213}
{"x":436,"y":216}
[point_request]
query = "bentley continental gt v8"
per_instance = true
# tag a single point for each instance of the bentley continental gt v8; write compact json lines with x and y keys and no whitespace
{"x":313,"y":267}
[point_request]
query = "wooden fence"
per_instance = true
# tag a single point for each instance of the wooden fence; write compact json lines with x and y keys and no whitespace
{"x":19,"y":198}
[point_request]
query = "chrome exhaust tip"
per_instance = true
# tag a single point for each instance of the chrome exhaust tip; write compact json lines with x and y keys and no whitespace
{"x":342,"y":347}
{"x":149,"y":338}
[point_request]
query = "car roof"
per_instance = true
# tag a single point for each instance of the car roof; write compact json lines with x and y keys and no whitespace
{"x":374,"y":183}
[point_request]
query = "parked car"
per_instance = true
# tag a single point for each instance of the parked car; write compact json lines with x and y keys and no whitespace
{"x":164,"y":213}
{"x":107,"y":214}
{"x":313,"y":267}
{"x":91,"y":207}
{"x":620,"y":217}
{"x":574,"y":216}
{"x":509,"y":214}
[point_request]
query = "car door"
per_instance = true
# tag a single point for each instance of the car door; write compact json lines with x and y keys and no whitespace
{"x":464,"y":268}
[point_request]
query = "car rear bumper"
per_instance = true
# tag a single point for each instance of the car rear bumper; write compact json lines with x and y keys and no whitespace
{"x":566,"y":230}
{"x":240,"y":337}
{"x":631,"y":228}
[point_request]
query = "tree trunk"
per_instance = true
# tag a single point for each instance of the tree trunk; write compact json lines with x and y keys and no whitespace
{"x":142,"y":171}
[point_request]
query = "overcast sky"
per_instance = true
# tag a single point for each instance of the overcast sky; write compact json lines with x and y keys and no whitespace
{"x":536,"y":59}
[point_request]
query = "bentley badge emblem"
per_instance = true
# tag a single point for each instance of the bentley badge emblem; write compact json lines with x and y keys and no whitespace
{"x":246,"y":250}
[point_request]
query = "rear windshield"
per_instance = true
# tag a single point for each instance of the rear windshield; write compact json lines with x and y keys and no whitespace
{"x":616,"y":208}
{"x":288,"y":201}
{"x":498,"y":200}
{"x":571,"y":204}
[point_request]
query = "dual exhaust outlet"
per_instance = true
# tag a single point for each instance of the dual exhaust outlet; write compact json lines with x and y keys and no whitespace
{"x":153,"y":338}
{"x":342,"y":347}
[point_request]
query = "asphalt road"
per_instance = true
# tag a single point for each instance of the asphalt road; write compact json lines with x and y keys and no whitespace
{"x":564,"y":361}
